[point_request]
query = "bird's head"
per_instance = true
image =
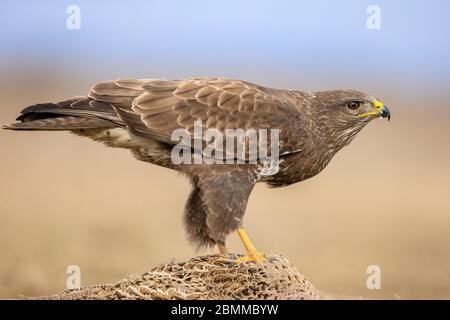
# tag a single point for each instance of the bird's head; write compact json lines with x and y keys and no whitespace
{"x":343,"y":113}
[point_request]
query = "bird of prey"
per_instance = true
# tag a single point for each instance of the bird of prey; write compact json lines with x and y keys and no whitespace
{"x":142,"y":114}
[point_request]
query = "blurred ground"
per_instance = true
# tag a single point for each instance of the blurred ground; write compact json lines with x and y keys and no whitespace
{"x":382,"y":201}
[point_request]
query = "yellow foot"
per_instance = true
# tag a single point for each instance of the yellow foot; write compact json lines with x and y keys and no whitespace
{"x":252,"y":254}
{"x":255,"y":257}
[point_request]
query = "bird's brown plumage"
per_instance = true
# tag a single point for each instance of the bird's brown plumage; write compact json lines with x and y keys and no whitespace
{"x":142,"y":114}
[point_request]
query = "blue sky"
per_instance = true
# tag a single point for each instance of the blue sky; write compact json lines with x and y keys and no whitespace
{"x":177,"y":38}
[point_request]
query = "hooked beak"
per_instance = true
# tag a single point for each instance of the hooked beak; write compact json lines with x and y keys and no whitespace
{"x":385,"y":113}
{"x":380,"y":110}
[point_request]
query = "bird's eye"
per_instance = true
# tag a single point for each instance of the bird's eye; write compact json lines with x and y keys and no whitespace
{"x":355,"y":104}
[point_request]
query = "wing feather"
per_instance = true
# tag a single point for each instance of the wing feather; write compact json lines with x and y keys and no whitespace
{"x":155,"y":108}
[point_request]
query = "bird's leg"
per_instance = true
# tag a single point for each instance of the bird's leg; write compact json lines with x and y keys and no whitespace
{"x":222,"y":247}
{"x":252,"y":253}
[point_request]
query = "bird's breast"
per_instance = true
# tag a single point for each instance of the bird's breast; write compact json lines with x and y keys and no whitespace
{"x":300,"y":166}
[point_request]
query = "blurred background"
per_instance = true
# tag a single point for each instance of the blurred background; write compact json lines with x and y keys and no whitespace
{"x":384,"y":200}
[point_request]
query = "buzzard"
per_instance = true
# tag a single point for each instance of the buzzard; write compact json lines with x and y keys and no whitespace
{"x":142,"y":115}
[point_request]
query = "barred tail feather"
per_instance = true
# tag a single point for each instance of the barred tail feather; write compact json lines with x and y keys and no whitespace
{"x":73,"y":114}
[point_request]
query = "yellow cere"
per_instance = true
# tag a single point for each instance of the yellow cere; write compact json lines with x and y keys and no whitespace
{"x":377,"y":104}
